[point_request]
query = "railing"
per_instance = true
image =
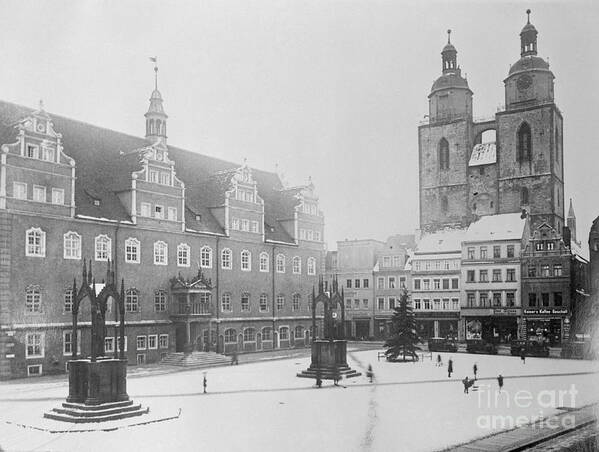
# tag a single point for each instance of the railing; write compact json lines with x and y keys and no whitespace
{"x":193,"y":309}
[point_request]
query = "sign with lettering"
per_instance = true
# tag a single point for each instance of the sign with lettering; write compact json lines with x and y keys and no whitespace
{"x":546,"y":311}
{"x":505,"y":311}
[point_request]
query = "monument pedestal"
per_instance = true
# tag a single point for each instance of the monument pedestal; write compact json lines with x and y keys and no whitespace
{"x":329,"y":359}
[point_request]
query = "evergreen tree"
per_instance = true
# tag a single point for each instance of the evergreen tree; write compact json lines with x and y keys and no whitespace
{"x":403,"y":337}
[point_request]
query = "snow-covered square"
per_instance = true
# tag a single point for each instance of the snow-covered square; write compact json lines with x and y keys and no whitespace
{"x":264,"y":406}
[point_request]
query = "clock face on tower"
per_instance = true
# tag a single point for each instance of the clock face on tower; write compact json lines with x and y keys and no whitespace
{"x":524,"y":82}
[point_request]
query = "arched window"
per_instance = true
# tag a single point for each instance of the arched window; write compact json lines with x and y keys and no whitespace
{"x":443,"y":154}
{"x":249,"y":335}
{"x":230,"y":336}
{"x":131,"y":300}
{"x":72,"y":245}
{"x":311,"y":266}
{"x":33,"y":299}
{"x":225,"y":259}
{"x":444,"y":204}
{"x":158,"y":126}
{"x":206,"y":257}
{"x":296,"y":299}
{"x":524,"y":196}
{"x":246,"y":260}
{"x":263,"y":262}
{"x":524,"y":137}
{"x":267,"y":333}
{"x":102,"y":247}
{"x":297,"y":265}
{"x":160,"y":253}
{"x":280,"y":263}
{"x":299,"y":332}
{"x":284,"y":333}
{"x":132,"y":251}
{"x":35,"y":241}
{"x":183,"y":255}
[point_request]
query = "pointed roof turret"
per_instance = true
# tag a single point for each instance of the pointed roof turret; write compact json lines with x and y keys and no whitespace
{"x":571,"y":213}
{"x":155,"y":116}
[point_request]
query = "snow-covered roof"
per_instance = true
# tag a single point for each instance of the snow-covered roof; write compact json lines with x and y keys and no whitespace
{"x":483,"y":154}
{"x":507,"y":226}
{"x":447,"y":241}
{"x":581,"y":253}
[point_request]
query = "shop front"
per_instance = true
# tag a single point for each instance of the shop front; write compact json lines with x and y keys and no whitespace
{"x":551,"y":325}
{"x":437,"y":324}
{"x":499,"y":325}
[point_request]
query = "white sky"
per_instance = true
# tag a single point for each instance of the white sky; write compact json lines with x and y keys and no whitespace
{"x":328,"y":89}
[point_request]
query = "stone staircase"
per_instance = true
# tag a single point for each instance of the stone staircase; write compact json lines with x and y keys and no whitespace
{"x":81,"y":413}
{"x":196,"y":359}
{"x":328,"y":373}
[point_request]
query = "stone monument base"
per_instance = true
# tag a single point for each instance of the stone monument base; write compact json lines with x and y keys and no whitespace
{"x":329,"y":359}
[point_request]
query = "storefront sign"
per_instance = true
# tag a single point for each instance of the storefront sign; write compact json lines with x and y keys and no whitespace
{"x":546,"y":311}
{"x":505,"y":311}
{"x":486,"y":312}
{"x":437,"y":315}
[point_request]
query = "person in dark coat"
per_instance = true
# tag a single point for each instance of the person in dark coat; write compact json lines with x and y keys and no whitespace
{"x":318,"y":378}
{"x":475,"y":370}
{"x":449,"y":367}
{"x":523,"y":355}
{"x":439,"y":362}
{"x":466,"y":383}
{"x":500,"y":381}
{"x":234,"y":359}
{"x":205,"y":382}
{"x":336,"y":376}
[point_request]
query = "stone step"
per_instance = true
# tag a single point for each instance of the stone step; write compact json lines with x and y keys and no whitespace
{"x":102,"y":406}
{"x":195,"y":359}
{"x":96,"y":413}
{"x":98,"y":418}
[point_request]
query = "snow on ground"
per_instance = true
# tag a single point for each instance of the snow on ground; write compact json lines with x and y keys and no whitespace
{"x":265,"y":407}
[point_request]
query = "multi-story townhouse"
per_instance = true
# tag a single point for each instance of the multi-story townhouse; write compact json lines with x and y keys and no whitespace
{"x":491,"y":282}
{"x":391,"y":274}
{"x":213,"y":255}
{"x":436,"y":283}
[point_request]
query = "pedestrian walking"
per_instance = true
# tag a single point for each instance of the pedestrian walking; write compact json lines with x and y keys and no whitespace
{"x":336,"y":376}
{"x":449,"y":367}
{"x":466,"y":383}
{"x":318,"y":378}
{"x":205,"y":382}
{"x":439,"y":361}
{"x":475,"y":369}
{"x":500,"y":381}
{"x":370,"y":373}
{"x":234,"y":359}
{"x":523,"y":355}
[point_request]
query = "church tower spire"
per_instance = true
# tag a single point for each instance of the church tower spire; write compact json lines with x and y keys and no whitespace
{"x":155,"y":116}
{"x":571,"y":221}
{"x":528,"y":38}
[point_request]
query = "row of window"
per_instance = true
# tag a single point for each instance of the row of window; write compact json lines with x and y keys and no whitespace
{"x":437,"y":284}
{"x":47,"y":154}
{"x":544,"y":299}
{"x":545,"y":270}
{"x":310,"y":208}
{"x":39,"y":193}
{"x":437,"y":304}
{"x":159,"y":177}
{"x":486,"y":300}
{"x":245,"y":225}
{"x":496,"y":273}
{"x":36,"y":247}
{"x":245,"y":195}
{"x":452,"y":264}
{"x":483,"y":252}
{"x":158,"y":212}
{"x":391,"y":282}
{"x":249,"y":334}
{"x":357,"y":284}
{"x":546,"y":245}
{"x":309,"y":234}
{"x":356,"y":305}
{"x":263,"y":303}
{"x":391,"y":261}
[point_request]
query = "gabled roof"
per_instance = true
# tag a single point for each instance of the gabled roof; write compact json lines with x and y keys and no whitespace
{"x":446,"y":241}
{"x":507,"y":226}
{"x":104,"y":163}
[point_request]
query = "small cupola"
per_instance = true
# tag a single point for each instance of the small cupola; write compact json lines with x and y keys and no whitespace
{"x":449,"y":56}
{"x":155,"y":116}
{"x":528,"y":38}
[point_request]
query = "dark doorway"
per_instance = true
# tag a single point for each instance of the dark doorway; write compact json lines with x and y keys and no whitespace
{"x":362,"y":329}
{"x":180,"y":338}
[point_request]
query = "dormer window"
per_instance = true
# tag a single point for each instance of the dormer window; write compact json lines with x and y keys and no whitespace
{"x":32,"y":151}
{"x":165,"y":178}
{"x":245,"y":195}
{"x":153,"y":176}
{"x":310,"y":208}
{"x":47,"y":154}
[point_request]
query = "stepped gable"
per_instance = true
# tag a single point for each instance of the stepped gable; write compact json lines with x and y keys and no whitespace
{"x":106,"y":158}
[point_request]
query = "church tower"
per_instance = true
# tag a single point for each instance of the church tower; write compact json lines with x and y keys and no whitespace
{"x":155,"y":116}
{"x":444,"y":147}
{"x":571,"y":222}
{"x":530,"y":139}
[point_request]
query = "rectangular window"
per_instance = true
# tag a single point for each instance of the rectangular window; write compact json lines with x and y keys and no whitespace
{"x":165,"y":178}
{"x":446,"y":284}
{"x":163,"y":341}
{"x":160,"y":301}
{"x":172,"y":213}
{"x":348,"y":304}
{"x":109,"y":345}
{"x":550,"y":245}
{"x":391,"y":302}
{"x":496,"y":252}
{"x":153,"y":341}
{"x":483,"y":276}
{"x":57,"y":196}
{"x":455,"y":304}
{"x":154,"y":176}
{"x":34,"y":345}
{"x":426,"y":284}
{"x":235,"y":224}
{"x":416,"y":284}
{"x":436,"y":304}
{"x":496,"y":275}
{"x":496,"y":298}
{"x":483,"y":252}
{"x":386,"y":261}
{"x":471,"y":298}
{"x":357,"y":284}
{"x":118,"y":344}
{"x":254,"y":226}
{"x":19,"y":190}
{"x":142,"y":342}
{"x":483,"y":300}
{"x":365,"y":303}
{"x":436,"y":284}
{"x":245,"y":303}
{"x":140,"y":359}
{"x":510,"y":251}
{"x":159,"y":212}
{"x":396,"y":261}
{"x":545,"y":270}
{"x":357,"y":304}
{"x":391,"y":282}
{"x":146,"y":208}
{"x":32,"y":151}
{"x":427,"y":304}
{"x":417,"y":304}
{"x":510,"y":275}
{"x":39,"y":193}
{"x":532,"y":271}
{"x":348,"y":283}
{"x":47,"y":154}
{"x":470,"y":276}
{"x":226,"y":302}
{"x":545,"y":299}
{"x":365,"y":283}
{"x":132,"y":251}
{"x":454,"y":283}
{"x":35,"y":370}
{"x":532,"y":299}
{"x":263,"y":303}
{"x":509,"y":299}
{"x":557,"y":298}
{"x":381,"y":303}
{"x":445,"y":305}
{"x":446,"y":265}
{"x":280,"y":302}
{"x":557,"y":270}
{"x":317,"y":236}
{"x":471,"y":252}
{"x":245,"y":225}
